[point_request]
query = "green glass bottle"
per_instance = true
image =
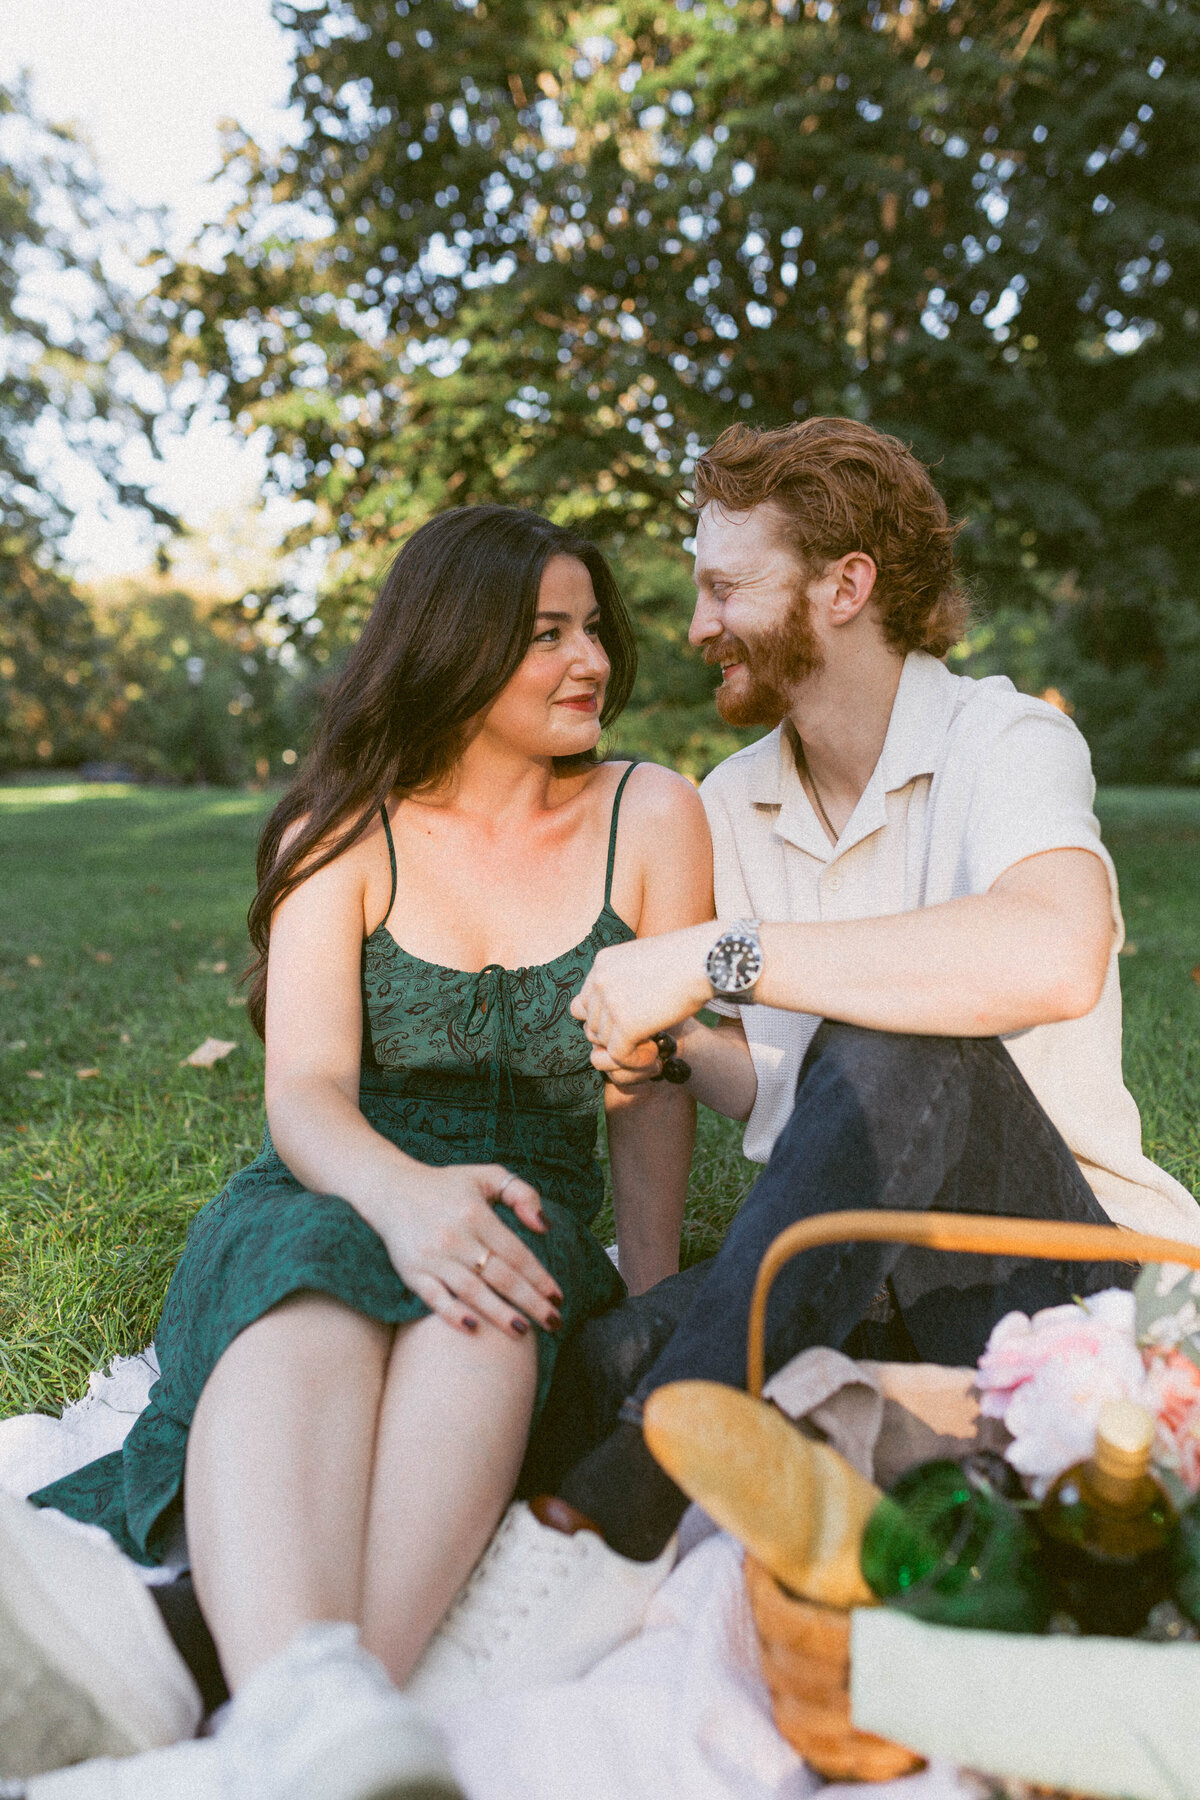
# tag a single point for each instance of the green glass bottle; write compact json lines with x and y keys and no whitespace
{"x":1108,"y":1529}
{"x":948,"y":1545}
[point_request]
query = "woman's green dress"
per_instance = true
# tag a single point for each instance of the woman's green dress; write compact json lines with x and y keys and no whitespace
{"x":457,"y":1067}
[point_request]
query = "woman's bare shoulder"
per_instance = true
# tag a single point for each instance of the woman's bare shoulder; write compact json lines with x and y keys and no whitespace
{"x":656,"y":795}
{"x":356,"y":867}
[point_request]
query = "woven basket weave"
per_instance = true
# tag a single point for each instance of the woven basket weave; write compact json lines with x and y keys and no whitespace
{"x":804,"y":1649}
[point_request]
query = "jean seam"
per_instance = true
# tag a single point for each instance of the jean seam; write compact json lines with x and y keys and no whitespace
{"x":902,"y":1162}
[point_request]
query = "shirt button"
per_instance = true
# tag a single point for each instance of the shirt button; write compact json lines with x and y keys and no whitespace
{"x":834,"y":882}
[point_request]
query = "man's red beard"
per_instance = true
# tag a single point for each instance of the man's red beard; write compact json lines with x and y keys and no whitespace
{"x":773,"y":666}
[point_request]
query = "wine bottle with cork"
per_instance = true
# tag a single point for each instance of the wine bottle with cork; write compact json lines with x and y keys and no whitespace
{"x":1108,"y":1529}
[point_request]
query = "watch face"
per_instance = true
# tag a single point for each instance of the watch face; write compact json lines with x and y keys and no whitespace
{"x":734,"y":963}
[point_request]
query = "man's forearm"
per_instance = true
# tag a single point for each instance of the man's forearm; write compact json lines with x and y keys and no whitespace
{"x":970,"y":968}
{"x":1032,"y":950}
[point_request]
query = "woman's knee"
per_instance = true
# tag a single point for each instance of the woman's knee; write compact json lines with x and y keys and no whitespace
{"x":308,"y":1338}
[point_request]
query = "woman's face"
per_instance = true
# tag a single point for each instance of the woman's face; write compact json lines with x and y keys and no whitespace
{"x":551,"y":706}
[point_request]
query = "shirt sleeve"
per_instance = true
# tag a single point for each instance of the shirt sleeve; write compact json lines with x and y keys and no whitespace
{"x":1034,"y":792}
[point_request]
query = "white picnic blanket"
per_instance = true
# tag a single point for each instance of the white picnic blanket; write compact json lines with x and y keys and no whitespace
{"x":678,"y":1713}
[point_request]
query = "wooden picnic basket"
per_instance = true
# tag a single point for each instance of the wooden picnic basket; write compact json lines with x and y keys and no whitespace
{"x":804,"y":1648}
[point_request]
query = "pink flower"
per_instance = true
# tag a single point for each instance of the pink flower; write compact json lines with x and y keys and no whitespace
{"x":1173,"y":1387}
{"x":1048,"y":1376}
{"x":1019,"y":1346}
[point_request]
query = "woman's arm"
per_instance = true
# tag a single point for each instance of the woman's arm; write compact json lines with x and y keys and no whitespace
{"x":435,"y":1223}
{"x":723,"y":1076}
{"x":652,"y":1126}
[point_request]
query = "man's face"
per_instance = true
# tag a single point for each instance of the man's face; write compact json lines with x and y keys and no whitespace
{"x":752,"y":615}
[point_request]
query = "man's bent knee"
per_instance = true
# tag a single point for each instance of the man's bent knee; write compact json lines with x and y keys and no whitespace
{"x":873,"y":1056}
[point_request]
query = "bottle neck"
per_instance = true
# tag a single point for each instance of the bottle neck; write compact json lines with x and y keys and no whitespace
{"x":1122,"y":1490}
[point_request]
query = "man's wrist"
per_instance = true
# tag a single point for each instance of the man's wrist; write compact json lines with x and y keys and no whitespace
{"x":734,"y":964}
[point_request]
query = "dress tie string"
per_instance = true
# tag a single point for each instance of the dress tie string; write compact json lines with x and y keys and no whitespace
{"x":491,"y":998}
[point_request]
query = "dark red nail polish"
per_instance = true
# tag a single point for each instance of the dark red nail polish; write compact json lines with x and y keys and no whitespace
{"x":520,"y":1326}
{"x":554,"y":1321}
{"x":471,"y":1324}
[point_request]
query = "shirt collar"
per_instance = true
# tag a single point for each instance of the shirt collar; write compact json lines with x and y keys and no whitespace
{"x":921,"y":714}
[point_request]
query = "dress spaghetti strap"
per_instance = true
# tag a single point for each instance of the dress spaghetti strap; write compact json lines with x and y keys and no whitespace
{"x":612,"y":830}
{"x":387,"y":826}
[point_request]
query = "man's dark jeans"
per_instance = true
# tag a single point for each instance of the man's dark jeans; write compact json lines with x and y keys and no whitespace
{"x":881,"y":1120}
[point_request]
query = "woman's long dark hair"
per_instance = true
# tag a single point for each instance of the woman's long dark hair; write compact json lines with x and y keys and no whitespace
{"x":454,"y":618}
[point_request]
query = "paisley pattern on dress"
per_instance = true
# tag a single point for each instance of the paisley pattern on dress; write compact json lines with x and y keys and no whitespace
{"x":457,"y":1067}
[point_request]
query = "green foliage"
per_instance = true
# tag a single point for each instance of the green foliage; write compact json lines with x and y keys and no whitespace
{"x":546,"y":255}
{"x":48,"y":643}
{"x":70,"y":340}
{"x":176,"y":689}
{"x":1138,"y":716}
{"x":201,"y":693}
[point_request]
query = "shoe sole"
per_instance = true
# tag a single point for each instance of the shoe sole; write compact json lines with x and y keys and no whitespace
{"x":375,"y":1770}
{"x":420,"y":1790}
{"x":59,"y":1704}
{"x":46,"y":1719}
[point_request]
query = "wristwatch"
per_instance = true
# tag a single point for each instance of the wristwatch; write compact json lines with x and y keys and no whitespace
{"x":735,"y":962}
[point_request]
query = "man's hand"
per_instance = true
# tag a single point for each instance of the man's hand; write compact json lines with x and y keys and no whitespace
{"x":637,"y":989}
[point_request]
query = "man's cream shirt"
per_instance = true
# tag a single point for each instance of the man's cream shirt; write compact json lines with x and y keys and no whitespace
{"x":973,"y":777}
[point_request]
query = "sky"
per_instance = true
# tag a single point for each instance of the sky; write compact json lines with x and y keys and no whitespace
{"x":147,"y":83}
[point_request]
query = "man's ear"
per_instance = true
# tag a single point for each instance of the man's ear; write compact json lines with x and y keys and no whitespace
{"x":851,"y":582}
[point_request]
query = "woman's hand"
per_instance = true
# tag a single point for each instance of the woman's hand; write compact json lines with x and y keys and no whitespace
{"x":448,"y":1245}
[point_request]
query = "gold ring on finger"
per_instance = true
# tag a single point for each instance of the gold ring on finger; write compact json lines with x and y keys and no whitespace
{"x":482,"y":1261}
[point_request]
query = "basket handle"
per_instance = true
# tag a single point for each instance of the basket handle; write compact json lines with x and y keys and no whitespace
{"x":1050,"y":1239}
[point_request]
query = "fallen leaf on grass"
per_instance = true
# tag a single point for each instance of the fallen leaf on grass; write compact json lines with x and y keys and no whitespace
{"x":212,"y":1050}
{"x":35,"y":1074}
{"x":1129,"y":950}
{"x":220,"y":968}
{"x":18,"y":1044}
{"x":176,"y":924}
{"x":102,"y":956}
{"x":125,"y":1038}
{"x":86,"y":1074}
{"x":35,"y":962}
{"x":1196,"y":974}
{"x":236,"y":1000}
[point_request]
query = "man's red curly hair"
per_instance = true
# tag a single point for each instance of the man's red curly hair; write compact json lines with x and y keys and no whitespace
{"x":844,"y":486}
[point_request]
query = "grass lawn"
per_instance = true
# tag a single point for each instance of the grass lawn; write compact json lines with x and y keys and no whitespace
{"x":121,"y":937}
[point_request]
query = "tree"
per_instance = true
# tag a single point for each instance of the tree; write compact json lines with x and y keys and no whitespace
{"x":69,"y":335}
{"x":545,"y":256}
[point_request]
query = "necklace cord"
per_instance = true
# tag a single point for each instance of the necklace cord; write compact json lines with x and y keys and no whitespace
{"x":816,"y":792}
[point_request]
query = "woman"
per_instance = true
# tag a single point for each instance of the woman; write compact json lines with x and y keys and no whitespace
{"x":364,"y":1323}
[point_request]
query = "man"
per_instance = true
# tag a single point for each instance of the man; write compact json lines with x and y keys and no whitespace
{"x":918,"y":981}
{"x":917,"y":974}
